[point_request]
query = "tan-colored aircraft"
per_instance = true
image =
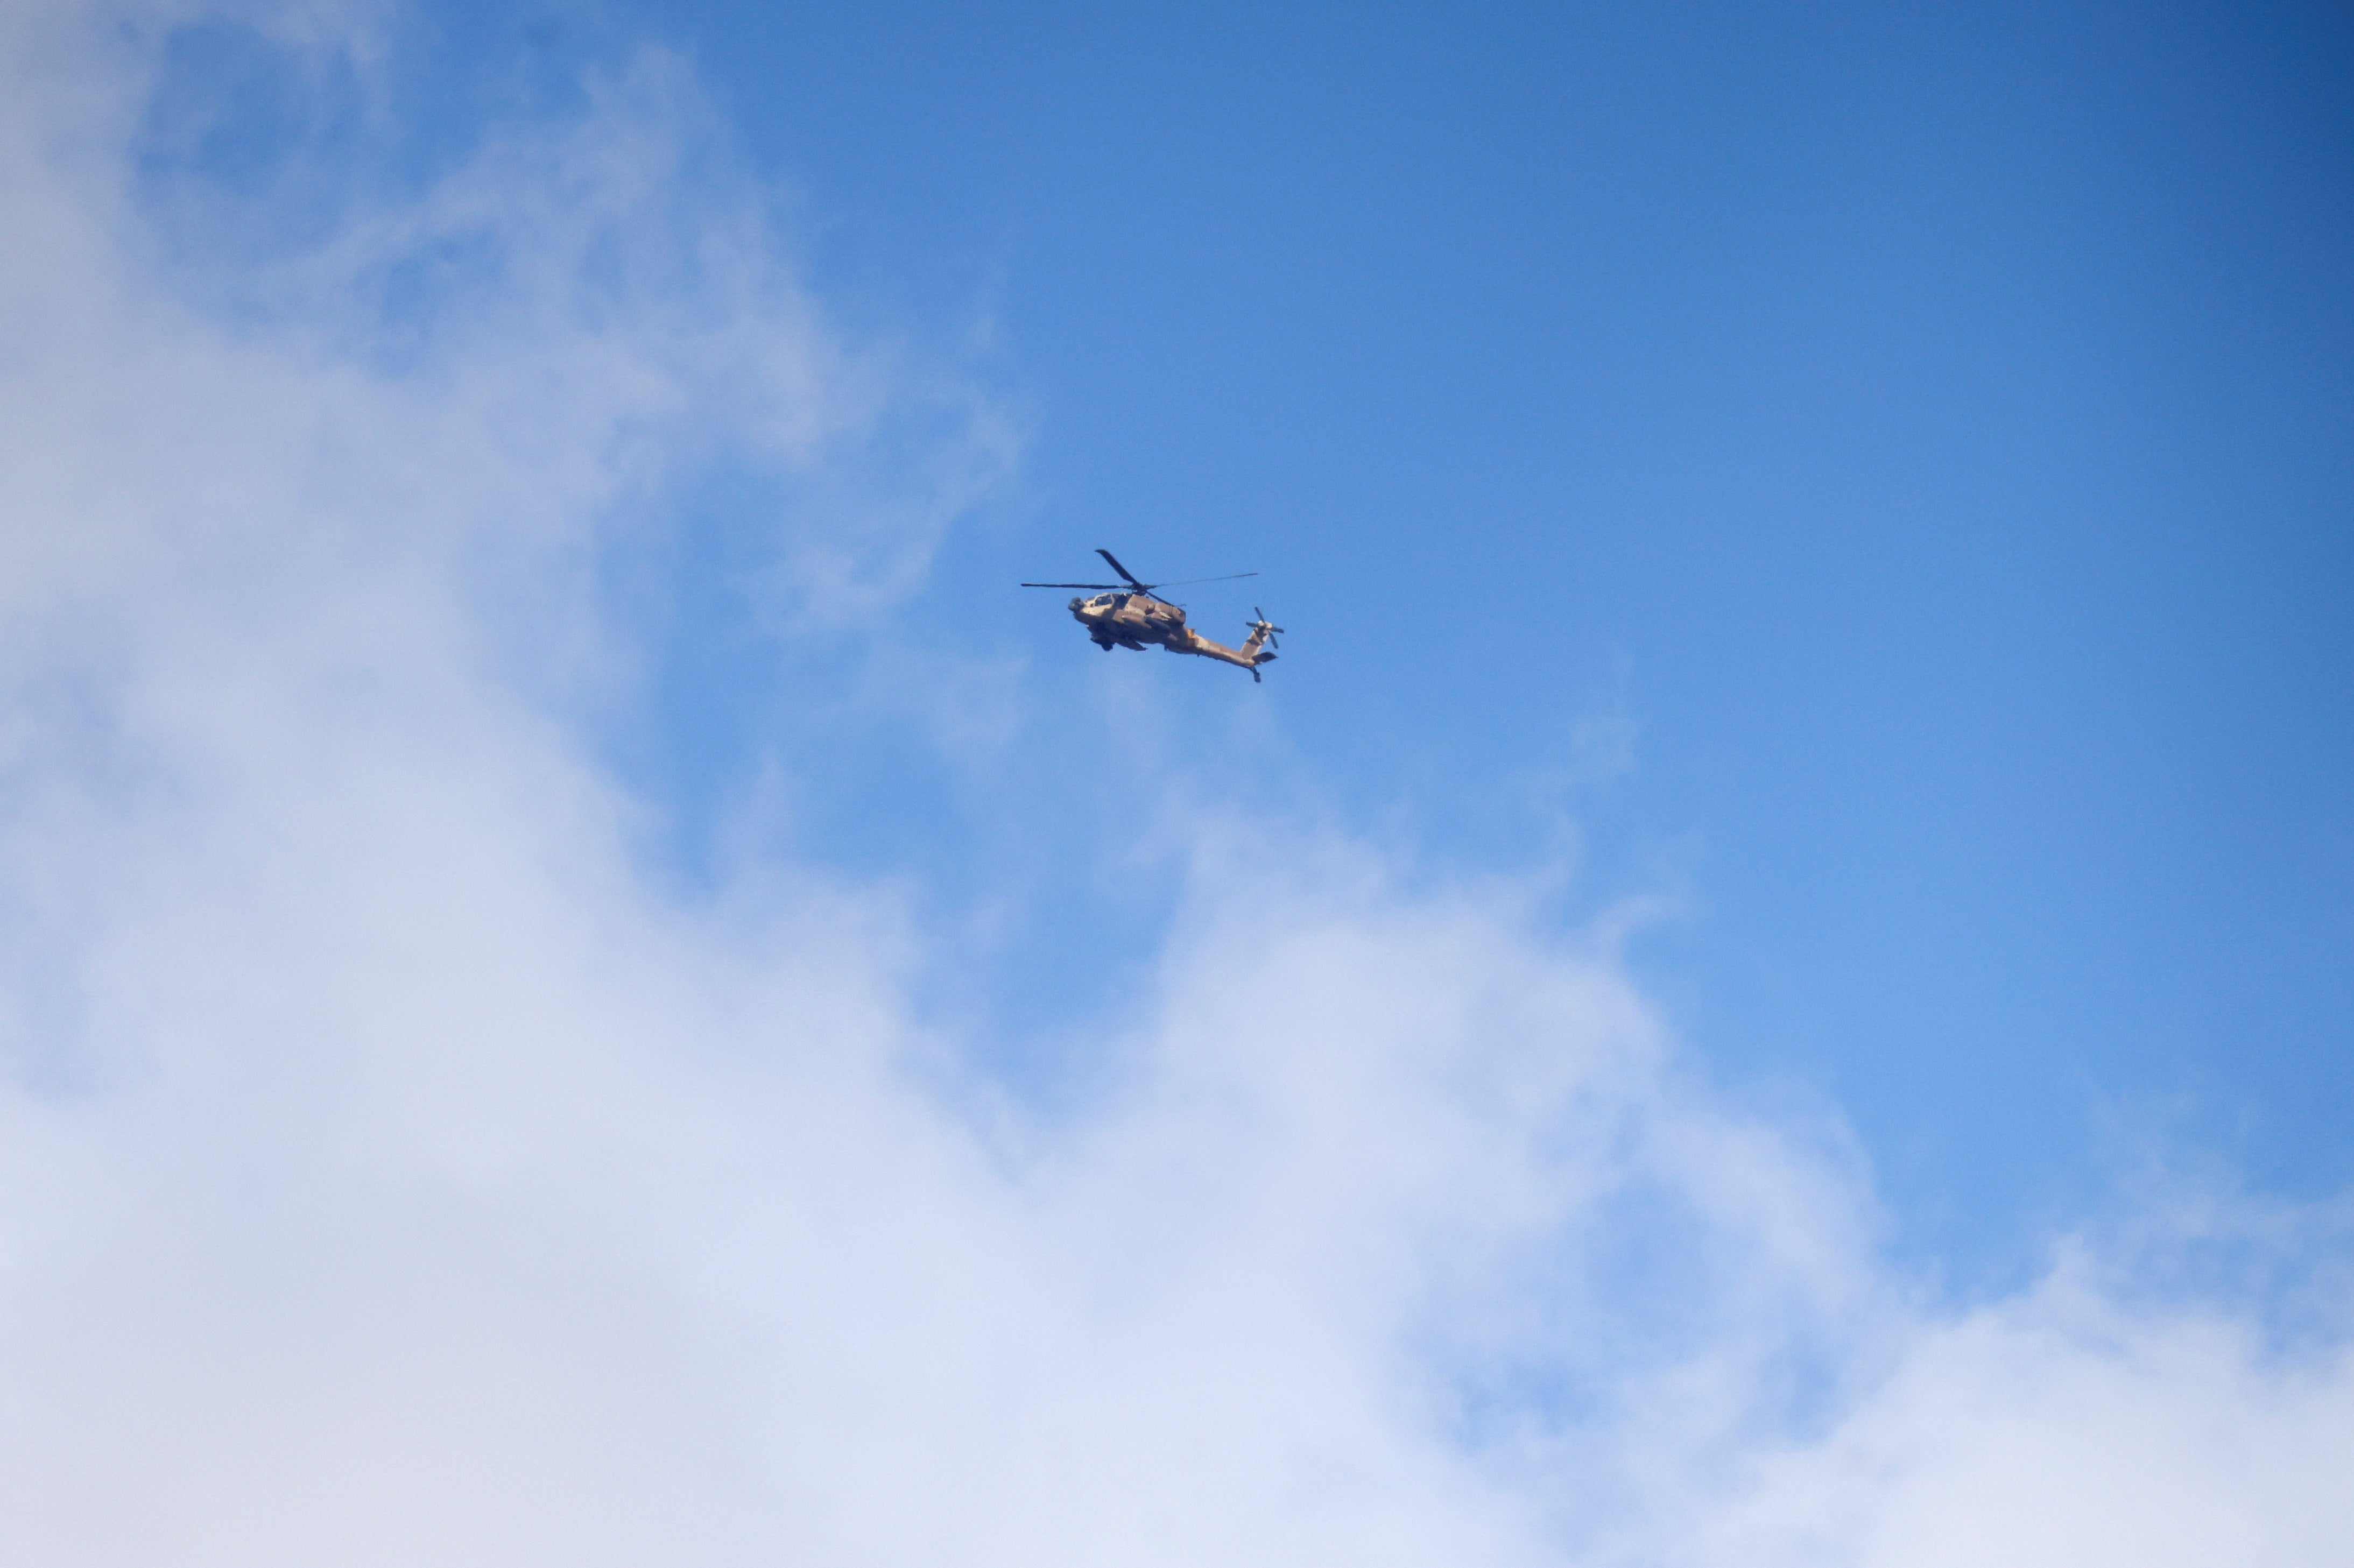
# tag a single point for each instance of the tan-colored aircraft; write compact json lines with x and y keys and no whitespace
{"x":1131,"y":614}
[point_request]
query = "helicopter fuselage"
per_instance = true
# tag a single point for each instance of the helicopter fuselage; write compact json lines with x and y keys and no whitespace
{"x":1129,"y":619}
{"x":1133,"y":616}
{"x":1132,"y":620}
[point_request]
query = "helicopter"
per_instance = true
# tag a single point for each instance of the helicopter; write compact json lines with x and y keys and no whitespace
{"x":1132,"y":613}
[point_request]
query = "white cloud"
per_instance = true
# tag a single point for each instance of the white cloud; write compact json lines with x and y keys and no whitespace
{"x":2062,"y":1427}
{"x":388,"y":1174}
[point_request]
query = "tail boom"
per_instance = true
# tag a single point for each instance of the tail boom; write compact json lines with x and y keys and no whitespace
{"x":1250,"y":655}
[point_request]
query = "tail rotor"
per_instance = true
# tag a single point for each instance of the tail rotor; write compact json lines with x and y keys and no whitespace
{"x":1262,"y":637}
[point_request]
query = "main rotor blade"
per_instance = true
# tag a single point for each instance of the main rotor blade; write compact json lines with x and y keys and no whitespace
{"x":1123,"y":571}
{"x":1189,"y":582}
{"x":1121,"y":586}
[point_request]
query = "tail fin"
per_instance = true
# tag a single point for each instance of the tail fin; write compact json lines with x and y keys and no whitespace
{"x":1258,"y":648}
{"x":1262,"y":635}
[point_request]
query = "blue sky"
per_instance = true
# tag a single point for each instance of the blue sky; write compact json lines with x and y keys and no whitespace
{"x":1919,"y":437}
{"x":1767,"y":975}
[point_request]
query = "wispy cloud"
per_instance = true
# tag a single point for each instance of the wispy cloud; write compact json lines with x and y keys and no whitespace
{"x":389,"y":1172}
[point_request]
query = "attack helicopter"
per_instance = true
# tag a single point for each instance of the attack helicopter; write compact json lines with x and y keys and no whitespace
{"x":1132,"y":613}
